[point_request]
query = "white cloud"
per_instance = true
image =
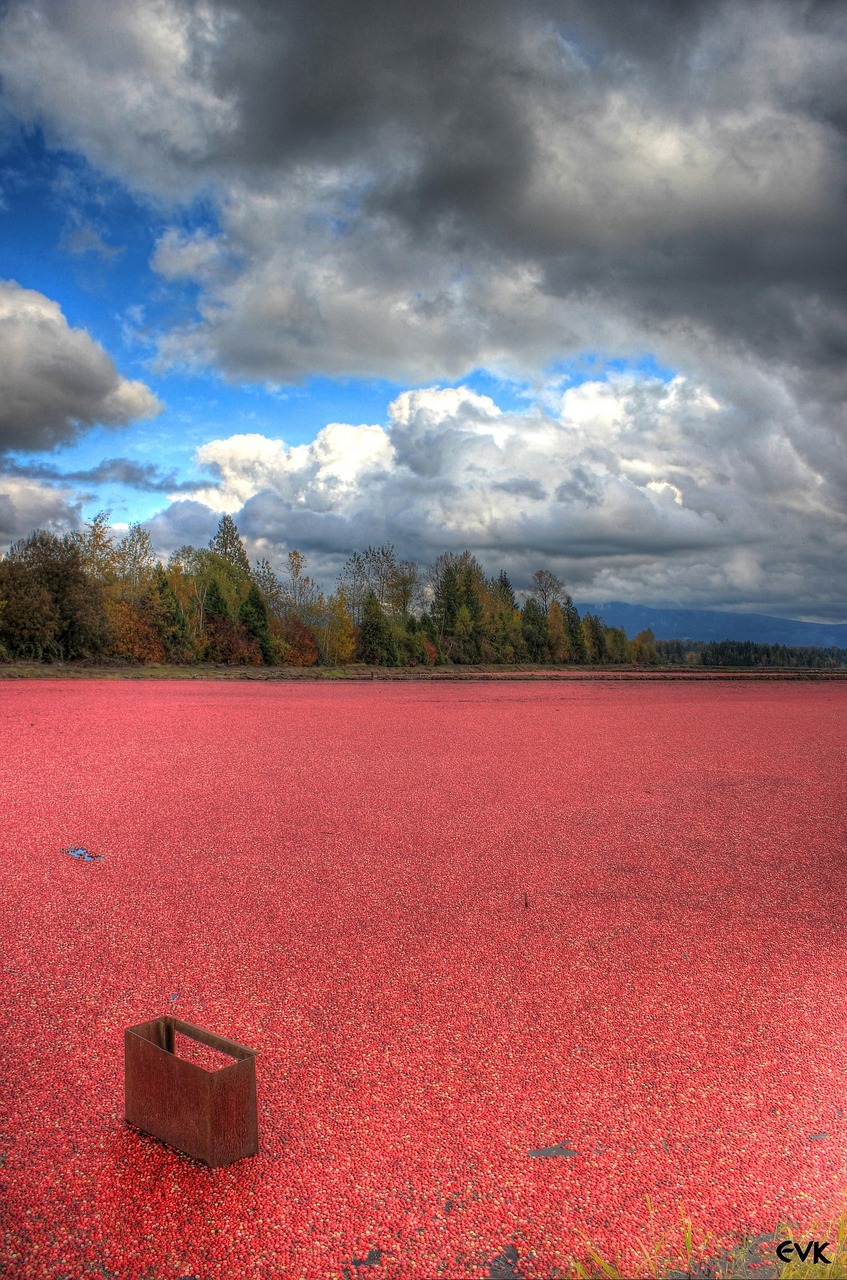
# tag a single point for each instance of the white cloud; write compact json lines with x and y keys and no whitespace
{"x":630,"y":491}
{"x":125,"y":83}
{"x":318,"y":476}
{"x":198,"y":256}
{"x":55,"y":380}
{"x":508,"y":203}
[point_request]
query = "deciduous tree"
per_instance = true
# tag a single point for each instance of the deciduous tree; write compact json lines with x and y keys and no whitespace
{"x":546,"y":588}
{"x":56,"y":565}
{"x":557,"y":635}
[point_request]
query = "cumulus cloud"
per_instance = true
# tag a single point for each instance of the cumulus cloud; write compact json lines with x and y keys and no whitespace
{"x":128,"y":85}
{"x":634,"y":488}
{"x":55,"y":380}
{"x":418,"y":191}
{"x":27,"y":504}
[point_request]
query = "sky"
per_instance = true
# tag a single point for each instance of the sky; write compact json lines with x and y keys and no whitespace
{"x":562,"y":283}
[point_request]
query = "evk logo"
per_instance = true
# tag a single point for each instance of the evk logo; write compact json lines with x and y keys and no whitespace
{"x":814,"y":1247}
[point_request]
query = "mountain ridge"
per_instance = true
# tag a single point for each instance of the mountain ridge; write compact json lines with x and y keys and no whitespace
{"x":711,"y":624}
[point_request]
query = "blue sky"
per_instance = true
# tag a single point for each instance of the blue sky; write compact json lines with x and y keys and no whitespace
{"x":566,"y":294}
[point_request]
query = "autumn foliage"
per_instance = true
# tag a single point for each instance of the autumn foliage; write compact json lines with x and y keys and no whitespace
{"x":94,"y":595}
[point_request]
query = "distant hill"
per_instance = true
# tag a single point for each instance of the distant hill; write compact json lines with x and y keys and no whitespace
{"x":708,"y":624}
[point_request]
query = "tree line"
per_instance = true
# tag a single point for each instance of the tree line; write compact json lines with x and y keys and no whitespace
{"x":747,"y":653}
{"x":92,"y":595}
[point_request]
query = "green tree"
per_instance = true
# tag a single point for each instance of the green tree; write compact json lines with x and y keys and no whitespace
{"x":215,"y":604}
{"x":253,"y":616}
{"x":270,"y":587}
{"x":534,"y":627}
{"x":594,"y":638}
{"x":617,"y":647}
{"x":96,"y":546}
{"x":501,"y":637}
{"x":446,"y":600}
{"x":29,"y":618}
{"x":228,"y":545}
{"x":56,"y":565}
{"x":135,"y":560}
{"x":376,"y":641}
{"x":502,"y":588}
{"x":576,"y":638}
{"x":168,"y":617}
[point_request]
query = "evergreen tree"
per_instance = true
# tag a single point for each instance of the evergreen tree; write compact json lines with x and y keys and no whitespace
{"x":501,"y":636}
{"x":503,"y":589}
{"x":376,"y":641}
{"x":446,"y":600}
{"x":169,"y":616}
{"x":215,"y":605}
{"x":228,"y":545}
{"x":468,"y":625}
{"x":594,"y":637}
{"x":576,"y":639}
{"x":534,"y":627}
{"x":29,"y":618}
{"x":253,"y":616}
{"x":617,"y":647}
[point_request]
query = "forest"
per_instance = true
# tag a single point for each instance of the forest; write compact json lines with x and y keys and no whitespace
{"x":89,"y":595}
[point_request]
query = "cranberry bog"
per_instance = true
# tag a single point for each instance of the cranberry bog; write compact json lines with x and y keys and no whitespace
{"x":531,"y":971}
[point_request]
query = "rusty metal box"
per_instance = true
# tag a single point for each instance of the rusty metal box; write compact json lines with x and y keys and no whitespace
{"x":208,"y":1115}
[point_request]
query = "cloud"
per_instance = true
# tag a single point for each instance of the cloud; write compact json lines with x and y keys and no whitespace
{"x":635,"y":489}
{"x":144,"y":476}
{"x":26,"y":505}
{"x":84,"y":239}
{"x":57,"y":381}
{"x":419,"y":191}
{"x":130,"y":86}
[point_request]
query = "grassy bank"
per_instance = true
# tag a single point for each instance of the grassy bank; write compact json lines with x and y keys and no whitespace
{"x":685,"y":1254}
{"x":359,"y":672}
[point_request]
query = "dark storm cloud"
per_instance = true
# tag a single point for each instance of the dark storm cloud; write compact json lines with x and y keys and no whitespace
{"x":135,"y":475}
{"x":682,"y":163}
{"x":416,"y":191}
{"x":55,"y":381}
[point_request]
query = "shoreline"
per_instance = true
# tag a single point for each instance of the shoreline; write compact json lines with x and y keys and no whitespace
{"x":361,"y":674}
